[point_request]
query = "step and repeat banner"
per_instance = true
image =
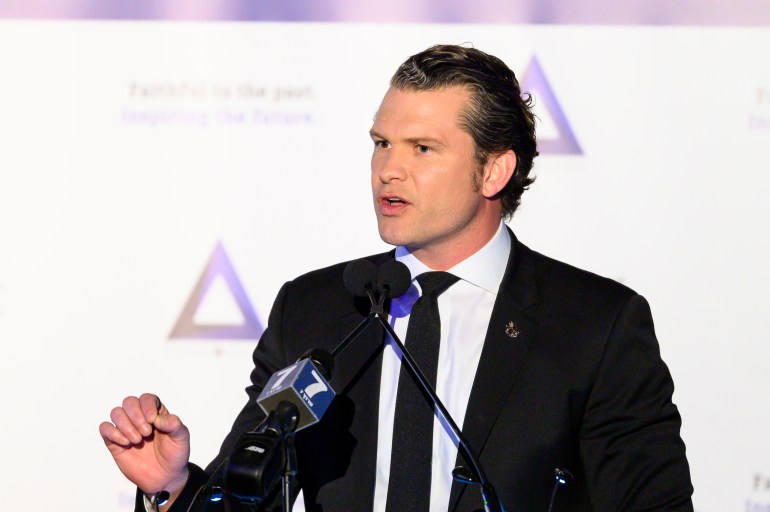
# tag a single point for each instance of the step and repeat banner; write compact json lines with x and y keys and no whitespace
{"x":165,"y":167}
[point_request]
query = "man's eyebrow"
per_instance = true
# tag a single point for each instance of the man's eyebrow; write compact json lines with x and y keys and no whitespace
{"x":411,"y":140}
{"x":427,"y":141}
{"x":374,"y":134}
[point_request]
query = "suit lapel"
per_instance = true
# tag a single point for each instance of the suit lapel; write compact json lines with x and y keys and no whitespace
{"x":509,"y":336}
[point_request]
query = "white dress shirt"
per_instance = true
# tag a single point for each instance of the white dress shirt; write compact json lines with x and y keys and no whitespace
{"x":462,"y":338}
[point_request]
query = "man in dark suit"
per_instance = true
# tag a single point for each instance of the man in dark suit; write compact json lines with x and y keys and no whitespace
{"x":551,"y":370}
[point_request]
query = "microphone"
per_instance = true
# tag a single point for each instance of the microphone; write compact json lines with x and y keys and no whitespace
{"x":293,"y":398}
{"x":297,"y":397}
{"x":304,"y":384}
{"x":393,"y":279}
{"x":359,"y":277}
{"x":257,"y":459}
{"x":255,"y":463}
{"x":562,"y":476}
{"x":363,"y":278}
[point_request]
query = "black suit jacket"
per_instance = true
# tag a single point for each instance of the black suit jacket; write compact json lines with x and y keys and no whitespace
{"x":581,"y":387}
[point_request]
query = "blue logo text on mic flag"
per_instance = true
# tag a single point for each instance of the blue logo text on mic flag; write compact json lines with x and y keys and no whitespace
{"x":303,"y":385}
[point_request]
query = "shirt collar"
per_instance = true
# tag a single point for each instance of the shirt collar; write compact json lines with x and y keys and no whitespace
{"x":485,"y":268}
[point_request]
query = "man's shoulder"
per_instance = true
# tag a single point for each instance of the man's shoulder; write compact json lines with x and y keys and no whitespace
{"x":568,"y":298}
{"x":557,"y":279}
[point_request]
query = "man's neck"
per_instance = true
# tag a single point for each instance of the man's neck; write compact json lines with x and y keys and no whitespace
{"x":499,"y":245}
{"x":447,"y":256}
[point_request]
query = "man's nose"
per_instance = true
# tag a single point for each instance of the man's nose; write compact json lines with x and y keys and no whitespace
{"x":392,"y":166}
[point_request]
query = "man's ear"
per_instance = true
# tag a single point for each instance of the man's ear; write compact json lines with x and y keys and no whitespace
{"x":497,"y":172}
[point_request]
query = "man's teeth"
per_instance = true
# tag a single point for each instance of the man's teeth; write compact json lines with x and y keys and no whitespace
{"x":392,"y":200}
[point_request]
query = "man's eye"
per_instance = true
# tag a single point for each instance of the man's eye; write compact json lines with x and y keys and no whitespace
{"x":423,"y":149}
{"x":381,"y":144}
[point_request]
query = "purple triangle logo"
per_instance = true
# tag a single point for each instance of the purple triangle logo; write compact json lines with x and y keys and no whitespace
{"x":219,"y":266}
{"x":537,"y":84}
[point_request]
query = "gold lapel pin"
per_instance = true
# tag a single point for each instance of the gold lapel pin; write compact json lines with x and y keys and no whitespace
{"x":511,"y":329}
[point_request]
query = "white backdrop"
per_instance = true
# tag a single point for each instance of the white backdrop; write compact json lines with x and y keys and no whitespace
{"x":129,"y":150}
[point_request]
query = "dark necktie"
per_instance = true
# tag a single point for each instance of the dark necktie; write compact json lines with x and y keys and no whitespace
{"x":410,"y":463}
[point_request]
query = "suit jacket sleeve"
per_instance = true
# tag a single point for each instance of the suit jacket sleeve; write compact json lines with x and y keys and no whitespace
{"x":633,"y":456}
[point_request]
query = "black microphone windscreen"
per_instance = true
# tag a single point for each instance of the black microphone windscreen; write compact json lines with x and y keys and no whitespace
{"x":396,"y":276}
{"x":359,"y":276}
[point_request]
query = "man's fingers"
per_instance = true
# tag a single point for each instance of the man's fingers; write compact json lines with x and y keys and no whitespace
{"x":158,"y":416}
{"x":151,"y":406}
{"x":134,"y":429}
{"x":135,"y":421}
{"x":171,"y":424}
{"x":133,"y":409}
{"x":111,"y":435}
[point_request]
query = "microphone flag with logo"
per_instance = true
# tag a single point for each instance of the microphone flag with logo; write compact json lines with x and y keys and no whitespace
{"x":302,"y":384}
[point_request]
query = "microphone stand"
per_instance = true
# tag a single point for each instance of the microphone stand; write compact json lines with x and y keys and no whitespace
{"x":289,"y":470}
{"x":353,"y":335}
{"x":211,"y":492}
{"x":488,"y":493}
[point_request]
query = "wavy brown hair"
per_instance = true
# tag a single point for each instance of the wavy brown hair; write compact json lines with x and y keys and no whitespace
{"x":498,"y":117}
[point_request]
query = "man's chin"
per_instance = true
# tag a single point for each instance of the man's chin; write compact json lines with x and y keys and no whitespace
{"x":389,"y":240}
{"x":392,"y":237}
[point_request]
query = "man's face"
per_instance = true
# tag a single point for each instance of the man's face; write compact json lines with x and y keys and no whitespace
{"x":425,"y":177}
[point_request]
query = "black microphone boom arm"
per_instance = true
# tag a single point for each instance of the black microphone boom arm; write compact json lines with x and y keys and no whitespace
{"x":490,"y":498}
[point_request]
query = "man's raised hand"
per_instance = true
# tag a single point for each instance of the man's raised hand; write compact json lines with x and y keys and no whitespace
{"x":150,"y":446}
